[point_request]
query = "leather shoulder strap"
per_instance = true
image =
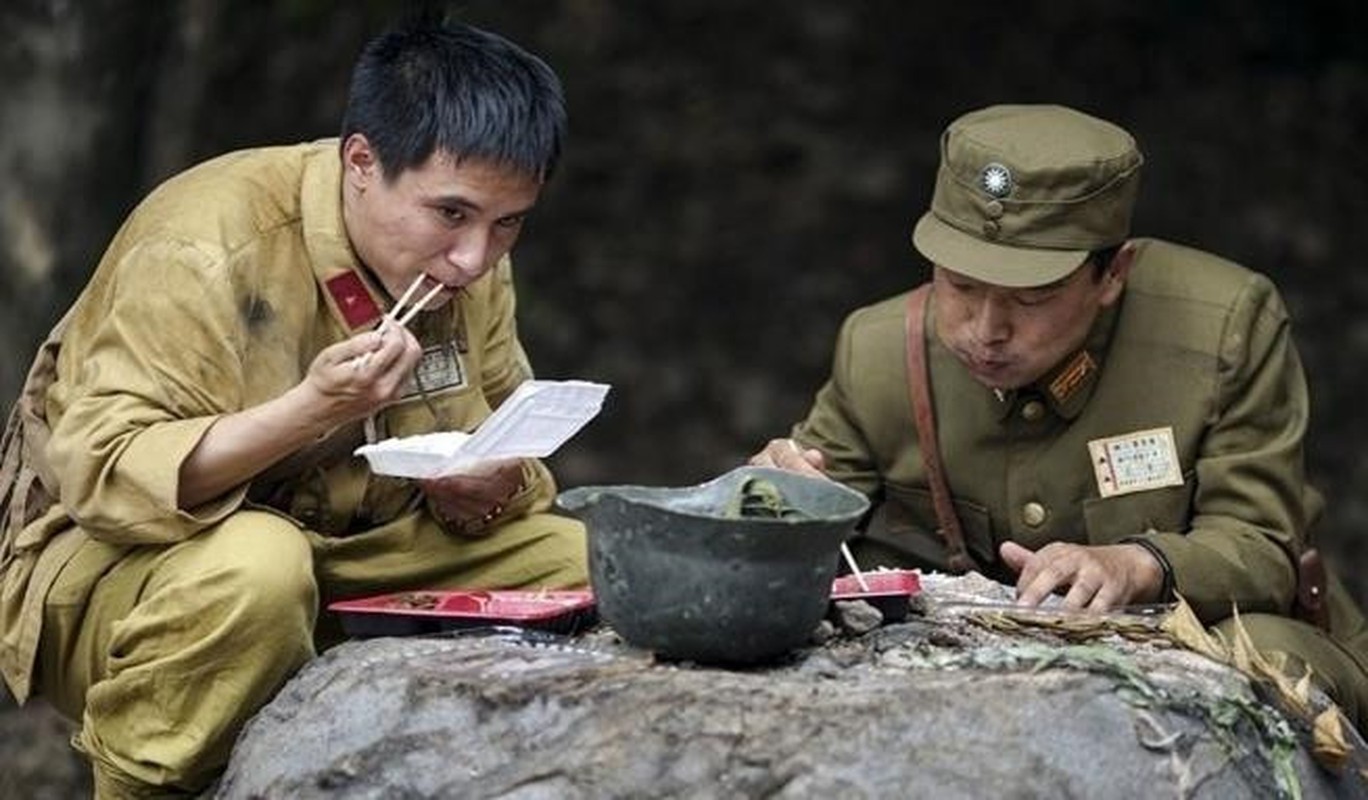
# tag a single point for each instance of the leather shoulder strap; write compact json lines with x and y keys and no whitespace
{"x":919,"y":387}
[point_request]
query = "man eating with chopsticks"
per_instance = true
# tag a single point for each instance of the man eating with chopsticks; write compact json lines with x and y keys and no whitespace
{"x":179,"y":491}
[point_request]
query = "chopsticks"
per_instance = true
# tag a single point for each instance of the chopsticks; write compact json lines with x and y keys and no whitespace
{"x":394,"y":317}
{"x":854,"y":568}
{"x":845,"y":548}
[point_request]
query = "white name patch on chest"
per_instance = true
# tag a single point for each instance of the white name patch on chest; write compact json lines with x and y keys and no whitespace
{"x":1135,"y":462}
{"x":440,"y":368}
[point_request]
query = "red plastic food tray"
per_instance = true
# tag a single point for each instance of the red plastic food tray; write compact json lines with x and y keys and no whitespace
{"x":890,"y":591}
{"x":407,"y":613}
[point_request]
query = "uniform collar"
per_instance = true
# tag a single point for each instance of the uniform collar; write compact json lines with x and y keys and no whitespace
{"x":351,"y":295}
{"x":1067,"y":387}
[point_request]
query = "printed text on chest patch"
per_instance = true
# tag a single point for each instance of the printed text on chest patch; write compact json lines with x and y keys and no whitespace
{"x":439,"y":369}
{"x":1135,"y":462}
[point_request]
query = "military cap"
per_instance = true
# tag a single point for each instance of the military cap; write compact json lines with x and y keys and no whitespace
{"x":1025,"y":192}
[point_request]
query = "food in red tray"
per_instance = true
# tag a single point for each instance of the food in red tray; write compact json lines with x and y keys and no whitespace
{"x":415,"y":612}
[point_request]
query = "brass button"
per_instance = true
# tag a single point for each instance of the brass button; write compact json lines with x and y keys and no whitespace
{"x":1033,"y":514}
{"x":990,"y":229}
{"x":1032,"y":410}
{"x":993,"y":209}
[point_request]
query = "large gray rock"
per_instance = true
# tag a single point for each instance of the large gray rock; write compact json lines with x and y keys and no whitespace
{"x":938,"y":706}
{"x":36,"y":761}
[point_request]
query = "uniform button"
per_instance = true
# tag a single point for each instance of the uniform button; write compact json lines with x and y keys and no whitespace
{"x":990,"y":229}
{"x":993,"y":209}
{"x":1032,"y":410}
{"x":1033,"y":514}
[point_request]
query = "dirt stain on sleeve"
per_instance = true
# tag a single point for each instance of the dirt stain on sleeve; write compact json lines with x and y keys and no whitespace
{"x":256,"y":313}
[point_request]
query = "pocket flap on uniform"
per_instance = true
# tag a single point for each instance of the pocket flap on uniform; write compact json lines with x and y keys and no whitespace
{"x":907,"y":520}
{"x":1167,"y":509}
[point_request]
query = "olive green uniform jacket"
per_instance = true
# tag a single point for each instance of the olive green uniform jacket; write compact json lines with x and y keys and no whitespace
{"x":215,"y":295}
{"x":1197,"y":345}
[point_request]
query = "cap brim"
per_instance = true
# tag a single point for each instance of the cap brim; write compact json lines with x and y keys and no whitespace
{"x":998,"y":264}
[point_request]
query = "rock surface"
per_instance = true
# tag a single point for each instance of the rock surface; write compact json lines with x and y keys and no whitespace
{"x":940,"y":705}
{"x":36,"y":762}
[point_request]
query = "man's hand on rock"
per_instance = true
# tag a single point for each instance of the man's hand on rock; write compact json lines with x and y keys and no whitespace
{"x":1096,"y":578}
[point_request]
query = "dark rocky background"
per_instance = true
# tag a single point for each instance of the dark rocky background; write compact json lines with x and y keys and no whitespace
{"x":740,"y":175}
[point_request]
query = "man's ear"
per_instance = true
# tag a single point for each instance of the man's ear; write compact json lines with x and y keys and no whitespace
{"x":360,"y":164}
{"x":1115,"y":275}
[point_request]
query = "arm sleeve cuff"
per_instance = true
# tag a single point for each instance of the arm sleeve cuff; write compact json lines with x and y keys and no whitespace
{"x":1166,"y":587}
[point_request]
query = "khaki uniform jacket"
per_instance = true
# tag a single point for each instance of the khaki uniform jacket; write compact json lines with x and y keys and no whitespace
{"x":1197,"y":345}
{"x":214,"y":296}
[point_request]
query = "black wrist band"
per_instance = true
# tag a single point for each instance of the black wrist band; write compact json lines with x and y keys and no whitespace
{"x":1165,"y":589}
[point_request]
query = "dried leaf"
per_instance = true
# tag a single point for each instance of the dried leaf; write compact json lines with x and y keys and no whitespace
{"x":1183,"y":627}
{"x":1329,"y":746}
{"x":1303,"y":688}
{"x":1248,"y":659}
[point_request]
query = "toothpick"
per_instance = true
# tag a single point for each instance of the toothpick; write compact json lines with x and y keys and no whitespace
{"x":854,"y":568}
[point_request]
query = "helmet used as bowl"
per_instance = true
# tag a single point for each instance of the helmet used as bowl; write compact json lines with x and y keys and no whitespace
{"x":736,"y":570}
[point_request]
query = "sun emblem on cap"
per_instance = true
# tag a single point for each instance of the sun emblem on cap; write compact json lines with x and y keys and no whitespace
{"x":996,"y":180}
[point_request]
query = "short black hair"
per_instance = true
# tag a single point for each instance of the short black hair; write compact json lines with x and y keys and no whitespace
{"x":431,"y":85}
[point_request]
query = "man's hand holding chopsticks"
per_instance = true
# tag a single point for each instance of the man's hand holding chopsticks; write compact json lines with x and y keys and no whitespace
{"x":356,"y":377}
{"x":787,"y":455}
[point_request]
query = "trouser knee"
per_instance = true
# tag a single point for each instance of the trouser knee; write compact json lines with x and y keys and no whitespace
{"x":557,"y":554}
{"x":262,"y":565}
{"x":220,"y":624}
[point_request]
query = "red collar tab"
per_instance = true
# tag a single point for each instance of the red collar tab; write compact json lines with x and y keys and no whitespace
{"x":1072,"y":377}
{"x":352,"y":300}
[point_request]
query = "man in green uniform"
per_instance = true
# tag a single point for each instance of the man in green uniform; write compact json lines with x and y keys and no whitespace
{"x":179,"y":491}
{"x":1117,"y":419}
